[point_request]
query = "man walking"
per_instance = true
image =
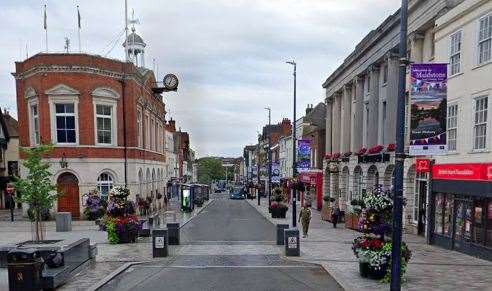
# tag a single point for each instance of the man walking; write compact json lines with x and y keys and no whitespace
{"x":335,"y":214}
{"x":305,"y":218}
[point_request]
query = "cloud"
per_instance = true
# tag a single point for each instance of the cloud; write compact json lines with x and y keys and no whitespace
{"x":229,"y":55}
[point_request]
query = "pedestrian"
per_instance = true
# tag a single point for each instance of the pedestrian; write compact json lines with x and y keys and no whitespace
{"x":335,"y":214}
{"x":305,"y":218}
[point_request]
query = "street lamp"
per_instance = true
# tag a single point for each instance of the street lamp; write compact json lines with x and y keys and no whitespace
{"x":399,"y":154}
{"x":269,"y":153}
{"x":294,"y":168}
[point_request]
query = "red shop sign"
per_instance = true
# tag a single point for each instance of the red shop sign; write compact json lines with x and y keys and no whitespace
{"x":462,"y":172}
{"x":422,"y":166}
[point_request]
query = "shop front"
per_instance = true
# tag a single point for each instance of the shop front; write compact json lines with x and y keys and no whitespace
{"x":313,"y":193}
{"x":461,"y":208}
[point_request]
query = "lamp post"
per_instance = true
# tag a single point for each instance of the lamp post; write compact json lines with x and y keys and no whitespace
{"x":294,"y":168}
{"x":399,"y":154}
{"x":269,"y":153}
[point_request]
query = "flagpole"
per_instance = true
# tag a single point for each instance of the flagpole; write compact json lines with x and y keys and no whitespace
{"x":78,"y":24}
{"x":46,"y":28}
{"x":126,"y":29}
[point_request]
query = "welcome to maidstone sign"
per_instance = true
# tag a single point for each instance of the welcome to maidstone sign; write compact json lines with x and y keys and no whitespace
{"x":465,"y":172}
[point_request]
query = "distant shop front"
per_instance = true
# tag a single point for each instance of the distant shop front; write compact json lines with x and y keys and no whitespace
{"x":461,"y":208}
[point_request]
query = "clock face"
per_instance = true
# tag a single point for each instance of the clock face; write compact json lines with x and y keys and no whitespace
{"x":171,"y":82}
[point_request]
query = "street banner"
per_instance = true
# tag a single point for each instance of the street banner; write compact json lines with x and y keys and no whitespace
{"x":275,"y":172}
{"x":428,"y":109}
{"x":303,"y":155}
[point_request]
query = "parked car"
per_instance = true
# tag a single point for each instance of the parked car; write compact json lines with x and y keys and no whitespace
{"x":237,"y":193}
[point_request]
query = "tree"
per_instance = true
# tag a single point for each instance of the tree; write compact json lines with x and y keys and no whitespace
{"x":210,"y":169}
{"x":36,"y":189}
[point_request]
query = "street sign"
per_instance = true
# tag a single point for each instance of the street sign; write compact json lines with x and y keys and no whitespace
{"x":292,"y":242}
{"x":159,"y":242}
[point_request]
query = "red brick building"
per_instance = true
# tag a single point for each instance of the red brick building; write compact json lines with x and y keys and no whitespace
{"x":104,"y":118}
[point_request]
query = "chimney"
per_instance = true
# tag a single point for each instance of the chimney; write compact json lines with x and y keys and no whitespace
{"x":285,"y":127}
{"x":171,"y":125}
{"x":309,"y":108}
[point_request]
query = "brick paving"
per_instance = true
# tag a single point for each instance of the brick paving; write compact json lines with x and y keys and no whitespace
{"x":431,"y":267}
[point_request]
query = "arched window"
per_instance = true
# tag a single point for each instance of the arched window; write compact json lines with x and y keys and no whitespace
{"x":104,"y":183}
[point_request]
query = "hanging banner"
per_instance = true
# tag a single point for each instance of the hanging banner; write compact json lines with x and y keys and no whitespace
{"x":275,"y":172}
{"x":303,"y":155}
{"x":428,"y":109}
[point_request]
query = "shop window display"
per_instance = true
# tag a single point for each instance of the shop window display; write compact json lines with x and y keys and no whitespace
{"x":488,"y":240}
{"x":438,"y":217}
{"x":448,"y":215}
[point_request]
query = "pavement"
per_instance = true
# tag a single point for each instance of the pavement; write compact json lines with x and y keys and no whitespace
{"x":229,"y":245}
{"x":431,"y":267}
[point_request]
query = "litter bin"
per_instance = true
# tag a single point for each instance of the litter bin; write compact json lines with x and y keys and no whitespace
{"x":280,"y":233}
{"x":160,"y":242}
{"x":63,"y":221}
{"x":291,"y":237}
{"x":173,"y":233}
{"x":24,"y":267}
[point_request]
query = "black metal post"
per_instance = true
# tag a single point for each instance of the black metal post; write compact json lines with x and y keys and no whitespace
{"x":258,"y":173}
{"x":399,"y":155}
{"x":294,"y":163}
{"x":269,"y":152}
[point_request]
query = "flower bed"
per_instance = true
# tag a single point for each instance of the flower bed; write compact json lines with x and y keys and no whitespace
{"x":95,"y":206}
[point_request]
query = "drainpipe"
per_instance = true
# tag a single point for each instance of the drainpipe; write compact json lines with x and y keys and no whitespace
{"x":123,"y":95}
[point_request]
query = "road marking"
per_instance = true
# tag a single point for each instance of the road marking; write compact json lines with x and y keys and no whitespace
{"x":229,"y":266}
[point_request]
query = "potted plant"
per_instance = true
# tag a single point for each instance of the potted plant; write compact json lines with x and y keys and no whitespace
{"x":352,"y":216}
{"x":373,"y":249}
{"x":278,"y":208}
{"x":36,"y":189}
{"x":95,"y":206}
{"x":121,"y":224}
{"x":325,"y":209}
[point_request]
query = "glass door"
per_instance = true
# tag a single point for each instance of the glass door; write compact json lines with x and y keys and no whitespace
{"x":422,"y":192}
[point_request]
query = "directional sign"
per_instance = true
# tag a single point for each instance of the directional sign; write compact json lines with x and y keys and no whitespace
{"x":292,"y":242}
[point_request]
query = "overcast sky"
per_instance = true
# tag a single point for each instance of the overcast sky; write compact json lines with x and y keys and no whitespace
{"x":228,"y":54}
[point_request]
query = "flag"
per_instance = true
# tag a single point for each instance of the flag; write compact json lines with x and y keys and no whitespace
{"x":78,"y":16}
{"x":45,"y":24}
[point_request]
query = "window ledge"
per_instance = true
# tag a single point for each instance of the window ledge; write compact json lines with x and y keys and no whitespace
{"x":455,"y":75}
{"x":484,"y":151}
{"x":478,"y":66}
{"x":452,"y":153}
{"x":59,"y":144}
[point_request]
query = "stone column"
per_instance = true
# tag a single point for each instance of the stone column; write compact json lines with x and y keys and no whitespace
{"x":335,"y":130}
{"x":417,"y":46}
{"x":372,"y":134}
{"x":329,"y":124}
{"x":391,"y":97}
{"x":358,"y":113}
{"x":345,"y":118}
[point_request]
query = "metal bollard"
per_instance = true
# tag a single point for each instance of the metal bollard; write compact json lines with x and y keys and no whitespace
{"x":173,"y":233}
{"x":280,"y":233}
{"x":291,"y":240}
{"x":160,"y":242}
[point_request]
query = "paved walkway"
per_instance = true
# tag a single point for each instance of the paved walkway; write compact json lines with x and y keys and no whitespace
{"x":431,"y":268}
{"x":109,"y":258}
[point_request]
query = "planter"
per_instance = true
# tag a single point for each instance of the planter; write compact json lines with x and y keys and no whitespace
{"x":279,"y":212}
{"x":326,"y":212}
{"x":367,"y":271}
{"x":352,"y":221}
{"x":127,"y":237}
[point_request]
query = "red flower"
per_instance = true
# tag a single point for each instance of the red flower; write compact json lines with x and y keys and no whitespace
{"x":362,"y":151}
{"x":335,"y":156}
{"x":376,"y":244}
{"x":327,"y":157}
{"x":391,"y":147}
{"x":375,"y":149}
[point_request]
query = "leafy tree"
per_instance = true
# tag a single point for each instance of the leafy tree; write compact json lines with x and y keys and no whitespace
{"x":210,"y":169}
{"x":37,"y":190}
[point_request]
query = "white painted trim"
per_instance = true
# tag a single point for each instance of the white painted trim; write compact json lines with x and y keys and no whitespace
{"x":62,"y":90}
{"x":105,"y":92}
{"x":114,"y":121}
{"x":54,"y":99}
{"x":30,"y":103}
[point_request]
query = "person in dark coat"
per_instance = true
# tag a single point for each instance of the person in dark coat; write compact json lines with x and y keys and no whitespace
{"x":335,"y":215}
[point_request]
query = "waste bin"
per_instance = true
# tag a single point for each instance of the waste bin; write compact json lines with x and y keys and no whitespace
{"x":280,"y":233}
{"x":173,"y":233}
{"x":24,"y":270}
{"x":63,"y":221}
{"x":291,"y":239}
{"x":160,"y":242}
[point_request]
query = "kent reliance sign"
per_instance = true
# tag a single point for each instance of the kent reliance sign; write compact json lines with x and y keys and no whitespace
{"x":463,"y":172}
